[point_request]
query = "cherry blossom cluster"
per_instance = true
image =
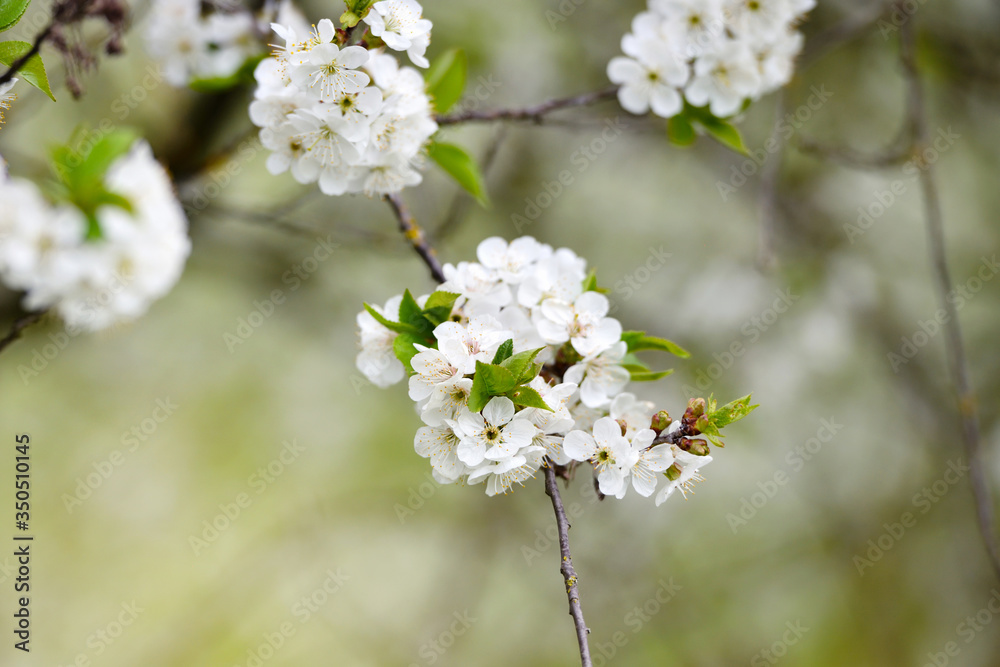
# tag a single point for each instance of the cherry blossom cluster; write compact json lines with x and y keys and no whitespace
{"x":514,"y":363}
{"x":192,"y":45}
{"x":346,"y":115}
{"x":100,"y":266}
{"x":715,"y":53}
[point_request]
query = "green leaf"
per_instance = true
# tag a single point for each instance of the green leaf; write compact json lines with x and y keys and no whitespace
{"x":446,"y":79}
{"x":404,"y":349}
{"x":11,"y":12}
{"x":398,"y":327}
{"x":529,"y":398}
{"x":638,"y":340}
{"x":460,"y":166}
{"x":521,"y":367}
{"x":725,"y":133}
{"x":731,"y":412}
{"x":349,"y":19}
{"x":410,"y":313}
{"x":33,"y":71}
{"x":504,"y":351}
{"x":439,"y":306}
{"x":489,"y":381}
{"x":648,"y":376}
{"x":680,"y":131}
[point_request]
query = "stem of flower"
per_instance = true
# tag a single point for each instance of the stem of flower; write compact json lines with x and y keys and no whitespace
{"x":415,"y":235}
{"x":534,"y":113}
{"x":566,"y":567}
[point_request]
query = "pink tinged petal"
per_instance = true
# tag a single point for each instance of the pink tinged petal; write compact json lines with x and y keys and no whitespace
{"x":665,"y":101}
{"x":579,"y":445}
{"x":326,"y":30}
{"x":499,"y":411}
{"x":622,"y":70}
{"x":352,"y":57}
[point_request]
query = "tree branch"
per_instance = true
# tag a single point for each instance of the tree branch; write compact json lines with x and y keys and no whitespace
{"x":19,"y":325}
{"x":415,"y":235}
{"x":568,"y":573}
{"x":957,"y":361}
{"x":64,"y":12}
{"x":535,"y":113}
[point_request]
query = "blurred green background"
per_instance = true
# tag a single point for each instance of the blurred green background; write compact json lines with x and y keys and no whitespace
{"x":346,"y":554}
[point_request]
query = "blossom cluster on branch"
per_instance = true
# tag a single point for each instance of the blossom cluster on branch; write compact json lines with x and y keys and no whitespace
{"x":514,"y":360}
{"x":114,"y":240}
{"x":719,"y":54}
{"x":347,"y":116}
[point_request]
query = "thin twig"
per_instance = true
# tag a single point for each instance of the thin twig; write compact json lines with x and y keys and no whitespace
{"x":415,"y":235}
{"x":19,"y":325}
{"x":535,"y":113}
{"x":957,"y":361}
{"x":64,"y":12}
{"x":566,"y":566}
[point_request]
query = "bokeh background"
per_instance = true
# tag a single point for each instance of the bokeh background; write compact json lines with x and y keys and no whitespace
{"x":761,"y":566}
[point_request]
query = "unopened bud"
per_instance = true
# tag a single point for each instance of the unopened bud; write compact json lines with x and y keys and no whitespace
{"x":673,"y":473}
{"x":661,"y":420}
{"x":697,"y":447}
{"x":696,"y":407}
{"x":701,"y":424}
{"x":624,"y":426}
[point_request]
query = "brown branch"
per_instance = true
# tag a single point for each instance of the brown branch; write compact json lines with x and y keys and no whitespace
{"x":957,"y":361}
{"x":19,"y":325}
{"x":64,"y":12}
{"x":535,"y":113}
{"x":566,"y":567}
{"x":415,"y":235}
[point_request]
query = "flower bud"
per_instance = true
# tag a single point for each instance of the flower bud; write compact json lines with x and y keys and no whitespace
{"x":696,"y":407}
{"x":697,"y":447}
{"x":701,"y":424}
{"x":624,"y":426}
{"x":661,"y":420}
{"x":672,"y":473}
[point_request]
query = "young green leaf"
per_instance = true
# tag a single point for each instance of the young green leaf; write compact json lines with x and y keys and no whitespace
{"x":648,"y":376}
{"x":725,"y":133}
{"x":412,"y":314}
{"x":521,"y":367}
{"x":638,"y":340}
{"x":439,"y":306}
{"x":489,"y":381}
{"x":731,"y":412}
{"x":529,"y":398}
{"x":680,"y":131}
{"x":11,"y":12}
{"x":446,"y":79}
{"x":32,"y":71}
{"x":398,"y":327}
{"x":404,"y":349}
{"x":460,"y":166}
{"x":504,"y":352}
